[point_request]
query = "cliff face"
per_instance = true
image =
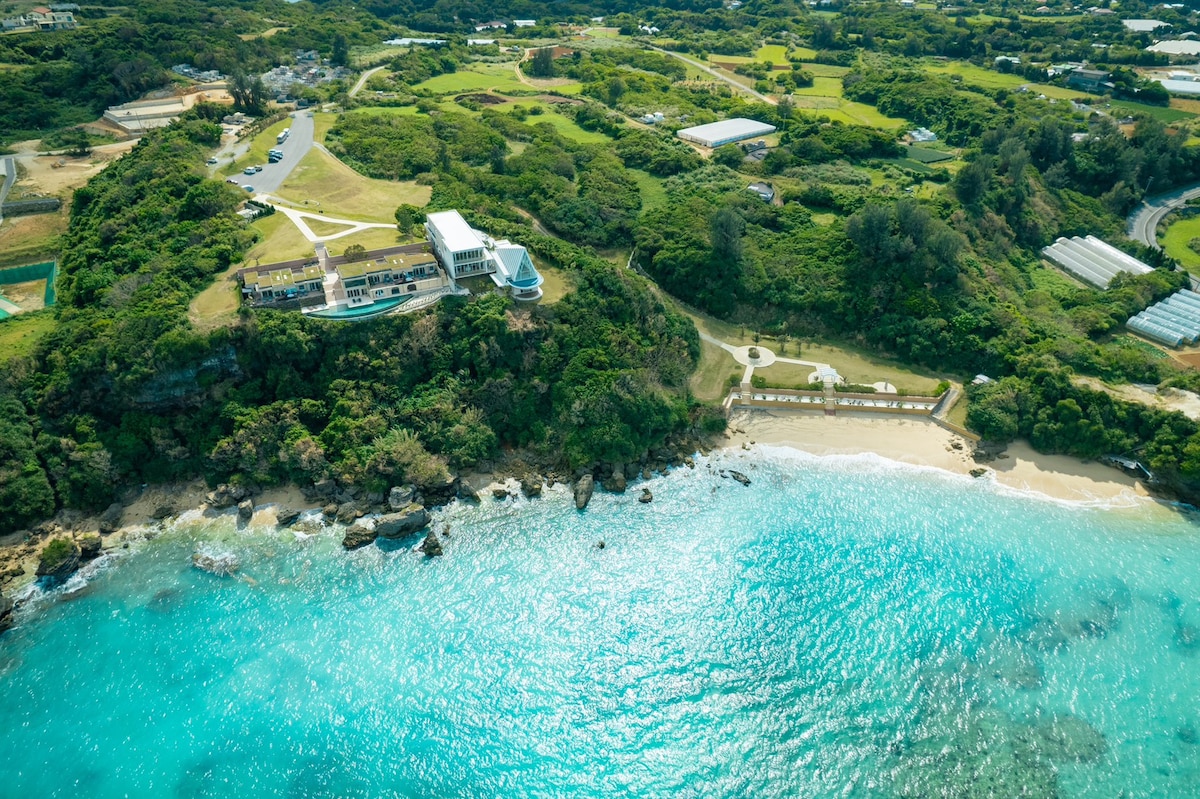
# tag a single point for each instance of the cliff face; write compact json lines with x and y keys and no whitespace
{"x":188,"y":386}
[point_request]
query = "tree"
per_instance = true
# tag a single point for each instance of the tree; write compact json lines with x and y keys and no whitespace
{"x":726,"y":235}
{"x":729,"y":155}
{"x":542,"y":63}
{"x":341,"y":51}
{"x":355,"y":252}
{"x":406,"y":218}
{"x":616,"y":89}
{"x":247,"y":91}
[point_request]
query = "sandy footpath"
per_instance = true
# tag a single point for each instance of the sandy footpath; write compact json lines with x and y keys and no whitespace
{"x":922,"y":442}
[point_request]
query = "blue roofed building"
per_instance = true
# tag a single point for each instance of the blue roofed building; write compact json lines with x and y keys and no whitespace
{"x":515,"y":272}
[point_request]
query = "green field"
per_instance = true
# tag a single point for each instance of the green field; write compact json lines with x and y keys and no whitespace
{"x":19,"y":334}
{"x":476,"y":77}
{"x":773,"y":54}
{"x":1175,"y":242}
{"x":328,"y":185}
{"x":990,"y":79}
{"x":927,"y":156}
{"x":566,"y":127}
{"x":653,"y":193}
{"x":825,"y":70}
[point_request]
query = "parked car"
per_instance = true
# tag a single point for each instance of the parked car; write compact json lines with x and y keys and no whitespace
{"x":249,"y":170}
{"x":212,"y":161}
{"x":234,"y":181}
{"x":248,"y":188}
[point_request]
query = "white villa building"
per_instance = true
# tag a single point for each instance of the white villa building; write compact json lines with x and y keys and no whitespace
{"x":466,"y":252}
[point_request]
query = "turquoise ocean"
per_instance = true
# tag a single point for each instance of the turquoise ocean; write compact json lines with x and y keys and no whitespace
{"x":842,"y":627}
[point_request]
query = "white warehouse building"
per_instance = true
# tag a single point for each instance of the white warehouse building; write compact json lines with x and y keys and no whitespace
{"x":727,"y":131}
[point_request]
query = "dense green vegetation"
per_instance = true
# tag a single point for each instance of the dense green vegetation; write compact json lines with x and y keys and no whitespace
{"x":933,"y":265}
{"x":125,"y":391}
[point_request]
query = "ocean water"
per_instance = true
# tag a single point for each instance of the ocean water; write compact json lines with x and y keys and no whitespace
{"x":840,"y":628}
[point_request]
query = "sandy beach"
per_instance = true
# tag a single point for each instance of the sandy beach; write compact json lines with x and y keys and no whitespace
{"x":919,"y":441}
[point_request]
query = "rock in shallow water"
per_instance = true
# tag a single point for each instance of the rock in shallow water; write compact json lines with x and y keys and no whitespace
{"x":89,"y":546}
{"x":222,"y":564}
{"x":359,"y":535}
{"x":583,"y":491}
{"x":431,"y":546}
{"x":395,"y":525}
{"x":59,"y":560}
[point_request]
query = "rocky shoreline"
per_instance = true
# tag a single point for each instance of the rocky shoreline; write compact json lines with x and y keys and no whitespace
{"x":53,"y":550}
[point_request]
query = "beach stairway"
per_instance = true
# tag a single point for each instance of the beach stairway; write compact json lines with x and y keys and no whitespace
{"x":830,"y":399}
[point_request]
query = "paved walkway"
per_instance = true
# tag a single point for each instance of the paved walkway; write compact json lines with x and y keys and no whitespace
{"x":298,"y":217}
{"x":766,"y":357}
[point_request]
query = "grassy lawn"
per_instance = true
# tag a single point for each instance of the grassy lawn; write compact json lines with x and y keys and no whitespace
{"x":566,"y":127}
{"x":321,"y":125}
{"x":216,"y":306}
{"x":653,"y":193}
{"x":1175,"y":242}
{"x":852,"y":363}
{"x":776,"y":54}
{"x":19,"y":334}
{"x":280,"y":241}
{"x":323,"y":228}
{"x":30,"y":239}
{"x":475,"y":77}
{"x":343,"y":192}
{"x":975,"y":75}
{"x":710,"y":381}
{"x":822,"y":87}
{"x":826,"y":70}
{"x":557,"y":284}
{"x":373,"y":239}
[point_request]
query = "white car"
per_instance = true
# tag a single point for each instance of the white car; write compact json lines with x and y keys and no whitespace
{"x":212,"y":161}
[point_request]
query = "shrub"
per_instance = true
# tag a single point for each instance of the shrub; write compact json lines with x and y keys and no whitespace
{"x":57,"y":552}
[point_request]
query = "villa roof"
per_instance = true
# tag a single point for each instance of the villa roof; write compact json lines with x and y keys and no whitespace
{"x":455,"y":233}
{"x":517,"y":266}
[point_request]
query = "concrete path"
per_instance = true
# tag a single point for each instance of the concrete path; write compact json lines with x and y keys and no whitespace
{"x":766,"y":357}
{"x":298,"y":217}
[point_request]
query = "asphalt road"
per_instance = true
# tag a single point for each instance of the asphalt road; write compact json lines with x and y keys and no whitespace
{"x":736,"y":86}
{"x":299,"y":142}
{"x":1142,"y":224}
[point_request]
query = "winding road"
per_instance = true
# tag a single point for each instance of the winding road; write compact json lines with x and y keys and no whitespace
{"x":362,"y":81}
{"x":1142,"y":224}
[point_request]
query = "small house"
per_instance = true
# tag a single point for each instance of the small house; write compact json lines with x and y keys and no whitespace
{"x":765,"y":191}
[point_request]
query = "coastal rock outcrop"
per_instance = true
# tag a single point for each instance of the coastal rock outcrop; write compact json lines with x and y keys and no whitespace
{"x":225,"y":496}
{"x":59,"y":560}
{"x":359,"y":535}
{"x":222,"y":564}
{"x":245,"y":509}
{"x":531,"y":485}
{"x":89,"y":546}
{"x":409,"y":520}
{"x":646,"y":496}
{"x":286,"y":516}
{"x":439,"y":491}
{"x":6,"y":613}
{"x":616,"y":484}
{"x":110,"y":520}
{"x":349,"y":511}
{"x":583,"y":491}
{"x":431,"y":546}
{"x":400,"y":497}
{"x":741,"y":478}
